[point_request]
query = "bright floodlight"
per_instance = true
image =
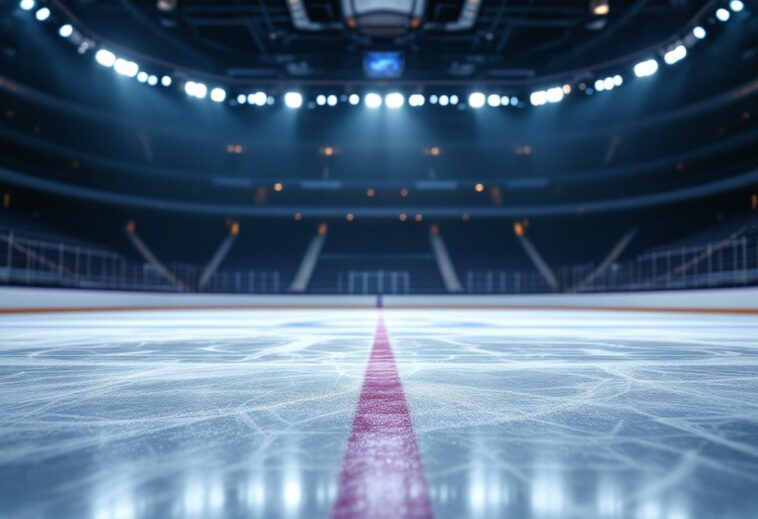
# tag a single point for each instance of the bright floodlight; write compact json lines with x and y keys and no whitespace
{"x":599,"y":85}
{"x":618,"y":80}
{"x":444,"y":100}
{"x":321,"y":99}
{"x":66,"y":30}
{"x":218,"y":95}
{"x":698,"y":32}
{"x":27,"y":5}
{"x":166,"y":81}
{"x":675,"y":55}
{"x":608,"y":83}
{"x":354,"y":99}
{"x":476,"y":100}
{"x":193,"y":89}
{"x":453,"y":99}
{"x":241,"y":99}
{"x":394,"y":100}
{"x":538,"y":98}
{"x":293,"y":99}
{"x":105,"y":57}
{"x":331,"y":100}
{"x":722,"y":14}
{"x":736,"y":5}
{"x":142,"y":77}
{"x":257,"y":99}
{"x":416,"y":100}
{"x":494,"y":100}
{"x":646,"y":68}
{"x":152,"y":80}
{"x":373,"y":100}
{"x":42,"y":14}
{"x":125,"y":67}
{"x":554,"y":94}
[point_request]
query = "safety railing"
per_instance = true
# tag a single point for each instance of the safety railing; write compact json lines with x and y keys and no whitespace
{"x":32,"y":261}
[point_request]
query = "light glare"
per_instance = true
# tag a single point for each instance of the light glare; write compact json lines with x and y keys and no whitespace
{"x":42,"y":14}
{"x":646,"y":68}
{"x":218,"y":95}
{"x":293,"y":100}
{"x":476,"y":100}
{"x":66,"y":30}
{"x":373,"y":100}
{"x":125,"y":67}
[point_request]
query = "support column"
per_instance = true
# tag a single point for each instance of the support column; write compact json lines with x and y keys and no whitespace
{"x":220,"y":255}
{"x":308,"y":263}
{"x":147,"y":255}
{"x":612,"y":256}
{"x":534,"y":255}
{"x":444,"y":263}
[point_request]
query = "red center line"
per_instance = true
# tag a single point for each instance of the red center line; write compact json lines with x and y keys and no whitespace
{"x":382,"y":474}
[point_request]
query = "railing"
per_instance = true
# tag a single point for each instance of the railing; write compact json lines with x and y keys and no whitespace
{"x":32,"y":261}
{"x":726,"y":263}
{"x":26,"y":260}
{"x":376,"y":282}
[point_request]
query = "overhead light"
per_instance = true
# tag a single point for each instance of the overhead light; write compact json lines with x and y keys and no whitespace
{"x":599,"y":85}
{"x":494,"y":100}
{"x":514,"y":101}
{"x":331,"y":100}
{"x":538,"y":98}
{"x":142,"y":77}
{"x":354,"y":99}
{"x":293,"y":99}
{"x":434,"y":99}
{"x":600,"y":7}
{"x":27,"y":5}
{"x":394,"y":100}
{"x":125,"y":67}
{"x":66,"y":30}
{"x":42,"y":14}
{"x":241,"y":99}
{"x":105,"y":57}
{"x":505,"y":100}
{"x":675,"y":55}
{"x":699,"y":33}
{"x":166,"y":5}
{"x":152,"y":80}
{"x":166,"y":81}
{"x":736,"y":5}
{"x":646,"y":68}
{"x":444,"y":100}
{"x":554,"y":94}
{"x":453,"y":99}
{"x":218,"y":95}
{"x":416,"y":100}
{"x":198,"y":90}
{"x":321,"y":99}
{"x":257,"y":99}
{"x":618,"y":80}
{"x":373,"y":100}
{"x":476,"y":100}
{"x":722,"y":14}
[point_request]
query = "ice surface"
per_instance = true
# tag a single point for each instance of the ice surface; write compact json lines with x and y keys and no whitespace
{"x":523,"y":414}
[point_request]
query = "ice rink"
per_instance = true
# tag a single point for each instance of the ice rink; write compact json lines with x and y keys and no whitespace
{"x":328,"y":413}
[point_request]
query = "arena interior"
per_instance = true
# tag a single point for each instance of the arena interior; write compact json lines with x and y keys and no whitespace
{"x":378,"y":259}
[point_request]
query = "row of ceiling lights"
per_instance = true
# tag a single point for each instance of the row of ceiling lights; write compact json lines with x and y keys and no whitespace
{"x":393,"y":100}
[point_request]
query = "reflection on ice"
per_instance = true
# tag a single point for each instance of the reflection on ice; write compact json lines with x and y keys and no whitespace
{"x":533,"y":415}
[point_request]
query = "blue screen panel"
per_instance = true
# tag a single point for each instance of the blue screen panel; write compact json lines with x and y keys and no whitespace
{"x":383,"y":64}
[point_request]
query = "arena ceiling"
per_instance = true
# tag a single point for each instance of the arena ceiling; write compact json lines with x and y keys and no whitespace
{"x":438,"y":40}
